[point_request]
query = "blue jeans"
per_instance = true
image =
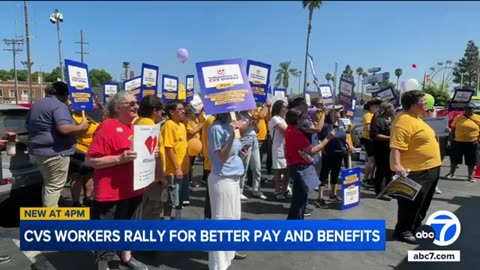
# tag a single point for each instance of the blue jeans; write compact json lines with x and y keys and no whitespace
{"x":299,"y":192}
{"x":252,"y":162}
{"x":179,"y":190}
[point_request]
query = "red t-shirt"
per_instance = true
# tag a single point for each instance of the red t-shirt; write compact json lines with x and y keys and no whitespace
{"x":114,"y":183}
{"x":295,"y":140}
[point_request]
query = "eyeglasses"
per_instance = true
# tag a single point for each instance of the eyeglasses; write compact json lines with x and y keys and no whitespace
{"x":131,"y":103}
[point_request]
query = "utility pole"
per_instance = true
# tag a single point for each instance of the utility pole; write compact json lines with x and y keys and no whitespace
{"x":29,"y":60}
{"x":82,"y":51}
{"x":14,"y":43}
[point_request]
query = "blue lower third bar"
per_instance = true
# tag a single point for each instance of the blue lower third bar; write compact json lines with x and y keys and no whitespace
{"x":204,"y":235}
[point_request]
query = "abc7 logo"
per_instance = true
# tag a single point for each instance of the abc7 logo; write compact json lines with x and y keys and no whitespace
{"x":442,"y":228}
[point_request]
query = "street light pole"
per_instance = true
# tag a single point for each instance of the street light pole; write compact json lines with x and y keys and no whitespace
{"x":60,"y":52}
{"x":57,"y":18}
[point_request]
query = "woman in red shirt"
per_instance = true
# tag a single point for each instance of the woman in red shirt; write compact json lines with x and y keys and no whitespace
{"x":111,"y":155}
{"x":298,"y":153}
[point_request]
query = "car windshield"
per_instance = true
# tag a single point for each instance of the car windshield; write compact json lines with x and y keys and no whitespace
{"x":13,"y":121}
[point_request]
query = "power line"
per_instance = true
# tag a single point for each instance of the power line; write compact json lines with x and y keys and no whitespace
{"x":81,"y":42}
{"x":14,"y":43}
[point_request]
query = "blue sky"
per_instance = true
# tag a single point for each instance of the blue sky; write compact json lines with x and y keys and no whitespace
{"x":366,"y":34}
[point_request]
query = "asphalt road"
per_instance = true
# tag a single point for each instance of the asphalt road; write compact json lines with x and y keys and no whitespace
{"x":460,"y":197}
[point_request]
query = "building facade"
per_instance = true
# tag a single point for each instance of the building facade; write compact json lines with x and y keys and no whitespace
{"x":8,"y":95}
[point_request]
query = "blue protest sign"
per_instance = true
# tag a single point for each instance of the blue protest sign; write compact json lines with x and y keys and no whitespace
{"x":109,"y":90}
{"x":190,"y":92}
{"x":81,"y":94}
{"x":224,"y":86}
{"x":461,"y":97}
{"x":325,"y":91}
{"x":387,"y":95}
{"x":351,"y":181}
{"x":259,"y":78}
{"x":350,"y":112}
{"x":133,"y":85}
{"x":149,"y":83}
{"x":346,"y":94}
{"x":169,"y":88}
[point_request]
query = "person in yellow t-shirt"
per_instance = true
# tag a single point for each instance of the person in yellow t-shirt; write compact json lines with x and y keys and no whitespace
{"x":81,"y":175}
{"x":466,"y":134}
{"x":194,"y":127}
{"x":177,"y":164}
{"x":150,"y":113}
{"x":414,"y":151}
{"x":371,"y":108}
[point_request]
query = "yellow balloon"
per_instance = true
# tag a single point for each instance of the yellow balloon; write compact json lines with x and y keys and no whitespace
{"x":194,"y":147}
{"x":182,"y":92}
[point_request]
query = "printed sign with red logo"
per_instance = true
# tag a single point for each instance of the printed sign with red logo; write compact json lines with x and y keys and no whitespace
{"x":224,"y":86}
{"x":145,"y":143}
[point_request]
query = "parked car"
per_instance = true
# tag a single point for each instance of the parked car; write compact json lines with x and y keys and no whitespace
{"x":21,"y":181}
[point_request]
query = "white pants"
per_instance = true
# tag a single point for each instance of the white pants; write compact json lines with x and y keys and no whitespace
{"x":225,"y":202}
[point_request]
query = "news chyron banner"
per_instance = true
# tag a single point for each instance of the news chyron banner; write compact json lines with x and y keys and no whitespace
{"x":69,"y":229}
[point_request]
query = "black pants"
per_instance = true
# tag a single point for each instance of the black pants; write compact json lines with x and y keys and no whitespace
{"x":299,"y":193}
{"x":190,"y":174}
{"x":268,"y":150}
{"x":331,"y":165}
{"x":383,"y":174}
{"x":207,"y":209}
{"x":411,"y":213}
{"x":123,"y":209}
{"x":443,"y":142}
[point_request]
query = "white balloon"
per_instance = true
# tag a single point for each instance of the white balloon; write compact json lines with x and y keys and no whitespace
{"x":411,"y":84}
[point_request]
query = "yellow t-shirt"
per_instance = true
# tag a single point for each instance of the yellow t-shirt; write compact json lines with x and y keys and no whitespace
{"x":84,"y":138}
{"x":191,"y":125}
{"x":367,"y":120}
{"x":417,"y":142}
{"x":175,"y":136}
{"x":466,"y":129}
{"x":144,"y":121}
{"x":262,"y":126}
{"x":206,"y":157}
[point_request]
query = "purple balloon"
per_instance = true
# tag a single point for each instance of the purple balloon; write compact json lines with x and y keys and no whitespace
{"x":182,"y":55}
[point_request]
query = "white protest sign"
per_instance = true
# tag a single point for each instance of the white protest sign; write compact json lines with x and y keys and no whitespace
{"x":307,"y":99}
{"x":279,"y":94}
{"x":145,"y":142}
{"x":197,"y":103}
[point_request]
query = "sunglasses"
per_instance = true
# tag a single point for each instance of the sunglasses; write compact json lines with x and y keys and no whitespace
{"x":131,"y":103}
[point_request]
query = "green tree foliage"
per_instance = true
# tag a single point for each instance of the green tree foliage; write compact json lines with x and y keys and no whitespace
{"x":441,"y":96}
{"x":98,"y":77}
{"x":469,"y":66}
{"x":348,"y":73}
{"x":283,"y":74}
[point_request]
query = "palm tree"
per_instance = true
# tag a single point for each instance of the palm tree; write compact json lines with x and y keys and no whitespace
{"x":328,"y":77}
{"x":398,"y":73}
{"x":126,"y":66}
{"x":311,"y":5}
{"x":283,"y":74}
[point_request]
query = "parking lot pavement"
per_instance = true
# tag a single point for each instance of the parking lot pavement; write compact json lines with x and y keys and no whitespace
{"x":460,"y":197}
